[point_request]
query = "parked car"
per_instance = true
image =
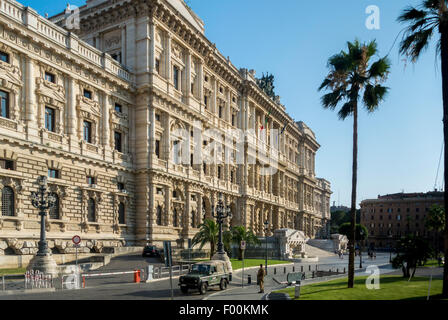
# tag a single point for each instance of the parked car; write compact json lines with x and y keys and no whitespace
{"x":204,"y":275}
{"x":150,"y":251}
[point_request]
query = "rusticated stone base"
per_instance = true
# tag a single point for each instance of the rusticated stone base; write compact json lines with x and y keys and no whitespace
{"x":45,"y":264}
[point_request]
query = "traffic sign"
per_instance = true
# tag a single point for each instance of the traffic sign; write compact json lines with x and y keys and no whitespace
{"x":243,"y":245}
{"x":76,"y":240}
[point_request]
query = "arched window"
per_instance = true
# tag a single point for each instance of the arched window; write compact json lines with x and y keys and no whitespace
{"x":54,"y":212}
{"x":91,"y":208}
{"x":121,"y":213}
{"x":159,"y":215}
{"x":8,"y":202}
{"x":175,"y":219}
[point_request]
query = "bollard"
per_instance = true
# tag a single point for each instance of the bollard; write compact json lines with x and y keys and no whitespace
{"x":137,"y":276}
{"x":297,"y":290}
{"x":275,"y":270}
{"x":83,"y":281}
{"x":293,"y":269}
{"x":314,"y":275}
{"x":284,"y":270}
{"x":316,"y":267}
{"x":344,"y":270}
{"x":301,"y":268}
{"x":337,"y":270}
{"x":309,"y":267}
{"x":249,"y":279}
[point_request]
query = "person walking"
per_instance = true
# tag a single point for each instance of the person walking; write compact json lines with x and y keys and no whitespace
{"x":260,"y":278}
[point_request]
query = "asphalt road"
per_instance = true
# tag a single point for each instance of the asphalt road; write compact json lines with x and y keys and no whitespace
{"x":122,"y":287}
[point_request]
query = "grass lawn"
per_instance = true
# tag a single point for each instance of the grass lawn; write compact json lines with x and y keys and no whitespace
{"x":391,"y":288}
{"x":432,"y":263}
{"x":12,"y":271}
{"x":237,"y":264}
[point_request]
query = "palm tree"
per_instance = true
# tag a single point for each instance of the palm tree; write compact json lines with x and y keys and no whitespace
{"x":351,"y":78}
{"x":423,"y":22}
{"x":240,"y":233}
{"x":208,"y":233}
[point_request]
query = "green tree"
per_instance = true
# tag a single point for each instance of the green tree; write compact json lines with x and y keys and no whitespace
{"x":423,"y":22}
{"x":352,"y":77}
{"x":208,"y":233}
{"x":361,"y":231}
{"x":412,"y":252}
{"x":240,"y":233}
{"x":435,"y":221}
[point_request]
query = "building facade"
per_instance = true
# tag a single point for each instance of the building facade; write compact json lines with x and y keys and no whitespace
{"x":102,"y":110}
{"x":394,"y":216}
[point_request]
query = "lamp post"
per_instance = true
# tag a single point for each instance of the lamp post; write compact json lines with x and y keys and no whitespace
{"x":43,"y":201}
{"x":266,"y":225}
{"x":221,"y":212}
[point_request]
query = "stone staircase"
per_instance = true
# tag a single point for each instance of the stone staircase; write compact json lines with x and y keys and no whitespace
{"x":321,"y":245}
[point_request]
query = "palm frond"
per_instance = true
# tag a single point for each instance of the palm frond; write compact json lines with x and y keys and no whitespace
{"x":412,"y":14}
{"x":332,"y":99}
{"x":373,"y":96}
{"x":347,"y":110}
{"x":413,"y":45}
{"x":380,"y":68}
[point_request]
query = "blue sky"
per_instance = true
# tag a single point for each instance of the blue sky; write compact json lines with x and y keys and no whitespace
{"x":399,"y":145}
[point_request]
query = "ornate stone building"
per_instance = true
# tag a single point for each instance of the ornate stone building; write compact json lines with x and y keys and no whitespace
{"x":98,"y":109}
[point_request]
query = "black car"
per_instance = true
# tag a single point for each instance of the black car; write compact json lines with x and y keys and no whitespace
{"x":150,"y":251}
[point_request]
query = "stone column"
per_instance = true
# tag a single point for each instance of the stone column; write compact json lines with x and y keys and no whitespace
{"x":168,"y":58}
{"x":169,"y":218}
{"x":106,"y":105}
{"x":200,"y":215}
{"x":152,"y":134}
{"x":30,"y":100}
{"x":152,"y":47}
{"x":123,"y":45}
{"x":188,"y":76}
{"x":201,"y":84}
{"x":187,"y":213}
{"x":167,"y":138}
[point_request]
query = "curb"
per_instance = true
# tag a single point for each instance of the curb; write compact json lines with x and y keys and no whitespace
{"x":29,"y":291}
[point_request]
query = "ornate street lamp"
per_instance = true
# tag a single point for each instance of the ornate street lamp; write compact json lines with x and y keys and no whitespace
{"x":43,"y":201}
{"x":266,"y":225}
{"x":221,"y":212}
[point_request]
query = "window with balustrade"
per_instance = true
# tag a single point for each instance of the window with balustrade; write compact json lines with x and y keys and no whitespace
{"x":54,"y":212}
{"x":91,"y":210}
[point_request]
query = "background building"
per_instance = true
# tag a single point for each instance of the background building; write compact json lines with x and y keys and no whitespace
{"x":97,"y":110}
{"x":393,"y":216}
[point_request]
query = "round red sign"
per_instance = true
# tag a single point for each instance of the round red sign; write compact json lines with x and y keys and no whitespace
{"x":76,"y":239}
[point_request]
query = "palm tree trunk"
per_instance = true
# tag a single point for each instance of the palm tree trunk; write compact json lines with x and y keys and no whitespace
{"x":351,"y":244}
{"x":444,"y":59}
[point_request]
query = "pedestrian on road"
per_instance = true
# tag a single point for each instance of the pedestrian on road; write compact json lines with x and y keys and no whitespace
{"x":260,"y":278}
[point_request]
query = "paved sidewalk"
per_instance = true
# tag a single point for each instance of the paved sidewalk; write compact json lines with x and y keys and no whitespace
{"x":273,"y":282}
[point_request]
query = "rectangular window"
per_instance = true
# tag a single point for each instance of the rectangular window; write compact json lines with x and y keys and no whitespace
{"x":50,"y":119}
{"x":158,"y":148}
{"x":90,"y":180}
{"x":233,"y":119}
{"x":176,"y":77}
{"x":219,"y":172}
{"x":6,"y":164}
{"x":206,"y":101}
{"x":192,"y":88}
{"x":53,"y":173}
{"x":87,"y":94}
{"x":4,"y":57}
{"x":220,"y":111}
{"x":158,"y":66}
{"x":87,"y":131}
{"x":4,"y":96}
{"x":118,"y":108}
{"x":50,"y":77}
{"x":118,"y":142}
{"x":120,"y":186}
